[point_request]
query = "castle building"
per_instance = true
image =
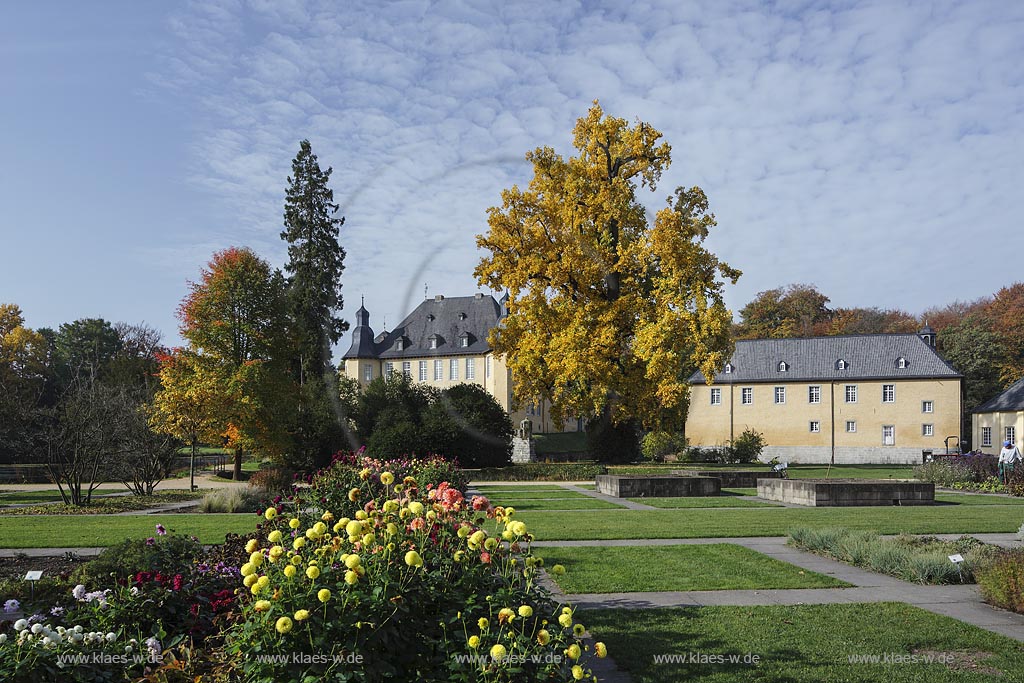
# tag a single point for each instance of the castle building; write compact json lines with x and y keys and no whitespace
{"x":1000,"y":419}
{"x":878,"y":398}
{"x":441,"y":343}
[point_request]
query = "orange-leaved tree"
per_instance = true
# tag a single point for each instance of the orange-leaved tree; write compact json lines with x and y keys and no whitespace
{"x":235,"y":324}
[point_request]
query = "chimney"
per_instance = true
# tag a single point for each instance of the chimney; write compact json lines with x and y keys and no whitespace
{"x":439,"y":297}
{"x":478,"y":295}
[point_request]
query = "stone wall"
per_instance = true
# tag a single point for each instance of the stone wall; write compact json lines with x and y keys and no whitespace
{"x":642,"y":486}
{"x":845,"y":455}
{"x":523,"y":450}
{"x":846,"y":492}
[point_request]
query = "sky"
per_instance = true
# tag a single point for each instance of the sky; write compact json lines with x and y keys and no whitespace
{"x":872,"y":149}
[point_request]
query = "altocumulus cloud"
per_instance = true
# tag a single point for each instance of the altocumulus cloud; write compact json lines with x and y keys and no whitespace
{"x":863,"y":147}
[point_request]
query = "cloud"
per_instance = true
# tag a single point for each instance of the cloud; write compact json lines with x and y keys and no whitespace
{"x":871,"y":148}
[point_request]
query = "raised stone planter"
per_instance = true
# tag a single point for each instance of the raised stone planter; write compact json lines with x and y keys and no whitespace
{"x":732,"y":479}
{"x":644,"y":486}
{"x":846,"y":492}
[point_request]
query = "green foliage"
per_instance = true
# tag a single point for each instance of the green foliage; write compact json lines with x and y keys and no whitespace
{"x":792,"y":311}
{"x":575,"y":471}
{"x":273,"y":479}
{"x":746,"y":447}
{"x":944,"y":472}
{"x":173,"y":554}
{"x":916,"y":559}
{"x":396,"y":416}
{"x":235,"y":499}
{"x":1002,"y":581}
{"x":314,"y":301}
{"x":656,"y":445}
{"x":613,"y":443}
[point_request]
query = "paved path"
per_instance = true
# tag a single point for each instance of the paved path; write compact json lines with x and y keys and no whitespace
{"x":204,"y":480}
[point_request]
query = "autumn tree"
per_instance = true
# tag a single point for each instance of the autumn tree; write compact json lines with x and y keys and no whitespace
{"x":234,"y":321}
{"x":606,"y":310}
{"x":870,"y":321}
{"x":190,"y":405}
{"x":315,"y":265}
{"x":796,"y":310}
{"x":973,"y":349}
{"x":23,"y":373}
{"x":1006,"y":316}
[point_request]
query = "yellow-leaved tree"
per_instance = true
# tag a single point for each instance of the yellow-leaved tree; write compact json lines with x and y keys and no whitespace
{"x":609,"y":313}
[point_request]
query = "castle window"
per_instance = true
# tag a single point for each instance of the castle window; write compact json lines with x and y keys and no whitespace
{"x":462,"y":316}
{"x":470,"y":368}
{"x":423,"y":371}
{"x":901,"y":363}
{"x":782,"y":366}
{"x":815,"y":426}
{"x":400,"y":344}
{"x":438,"y":370}
{"x":840,"y":364}
{"x":888,"y":393}
{"x":814,"y":394}
{"x":728,"y":368}
{"x":716,"y":396}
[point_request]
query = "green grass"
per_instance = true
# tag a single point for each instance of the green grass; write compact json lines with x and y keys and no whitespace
{"x":109,"y":505}
{"x":795,"y":471}
{"x":964,"y":499}
{"x":505,"y":498}
{"x":802,"y":644}
{"x":589,"y":487}
{"x":711,"y":523}
{"x":704,"y":502}
{"x":512,"y":487}
{"x":584,"y":503}
{"x":46,"y":496}
{"x":721,"y":566}
{"x":104,"y":530}
{"x":566,"y":442}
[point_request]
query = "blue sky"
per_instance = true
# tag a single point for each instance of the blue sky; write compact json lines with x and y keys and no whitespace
{"x":873,"y":149}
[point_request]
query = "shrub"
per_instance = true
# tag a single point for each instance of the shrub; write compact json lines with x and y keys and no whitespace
{"x":979,"y":466}
{"x":275,"y":480}
{"x":1002,"y":581}
{"x":945,"y":472}
{"x":575,"y":471}
{"x":698,"y":454}
{"x":656,"y":445}
{"x":467,"y":424}
{"x":888,"y":558}
{"x":234,"y":499}
{"x":613,"y":443}
{"x":746,"y":447}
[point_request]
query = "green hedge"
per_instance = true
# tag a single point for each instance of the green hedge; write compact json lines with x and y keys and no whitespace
{"x":562,"y":471}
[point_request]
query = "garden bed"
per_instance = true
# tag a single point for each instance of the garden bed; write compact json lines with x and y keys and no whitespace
{"x":910,"y":558}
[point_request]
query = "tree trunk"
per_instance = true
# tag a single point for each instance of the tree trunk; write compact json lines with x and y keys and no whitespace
{"x":237,"y":474}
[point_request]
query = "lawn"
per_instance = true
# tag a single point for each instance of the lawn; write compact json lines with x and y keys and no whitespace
{"x":704,"y":502}
{"x":104,"y":530}
{"x":46,"y":496}
{"x":508,"y":497}
{"x":583,"y":503}
{"x":711,"y":523}
{"x":109,"y":505}
{"x":802,"y":644}
{"x":795,"y":471}
{"x":490,"y":489}
{"x":721,"y":566}
{"x":978,"y":499}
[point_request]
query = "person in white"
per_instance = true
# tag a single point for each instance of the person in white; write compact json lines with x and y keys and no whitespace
{"x":1009,"y":457}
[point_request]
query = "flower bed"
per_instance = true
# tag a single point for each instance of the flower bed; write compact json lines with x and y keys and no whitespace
{"x":364,"y":574}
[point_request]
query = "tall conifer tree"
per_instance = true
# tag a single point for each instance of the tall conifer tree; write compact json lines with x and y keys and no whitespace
{"x":315,"y":264}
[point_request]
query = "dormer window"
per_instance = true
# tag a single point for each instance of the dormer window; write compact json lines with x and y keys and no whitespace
{"x":430,"y":317}
{"x":901,"y":363}
{"x":400,"y":344}
{"x":783,"y":367}
{"x":728,"y":368}
{"x":465,"y":339}
{"x":462,"y":316}
{"x":840,"y":364}
{"x":434,"y":341}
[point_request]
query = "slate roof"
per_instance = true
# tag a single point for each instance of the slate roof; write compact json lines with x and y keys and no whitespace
{"x":447,"y":318}
{"x":867,"y":356}
{"x":1009,"y":401}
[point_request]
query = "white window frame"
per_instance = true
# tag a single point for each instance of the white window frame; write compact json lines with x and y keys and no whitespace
{"x":470,"y":368}
{"x":464,"y":342}
{"x":841,"y":364}
{"x":367,"y":372}
{"x":888,"y":393}
{"x":438,"y":370}
{"x":851,"y":426}
{"x":889,"y":434}
{"x":986,"y":436}
{"x":407,"y":368}
{"x":815,"y":427}
{"x":423,"y":371}
{"x":728,"y":368}
{"x":1010,"y":434}
{"x":901,"y":363}
{"x":850,"y":393}
{"x":814,"y":393}
{"x":780,"y":395}
{"x":716,"y":396}
{"x":487,"y":367}
{"x":432,"y":343}
{"x":453,"y":369}
{"x":747,"y":396}
{"x":389,"y":368}
{"x":400,"y":344}
{"x":927,"y":430}
{"x":927,"y":406}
